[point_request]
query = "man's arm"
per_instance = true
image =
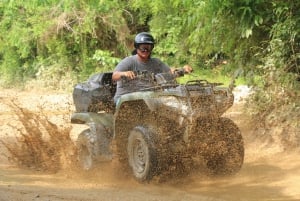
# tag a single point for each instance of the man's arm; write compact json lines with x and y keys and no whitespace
{"x":117,"y":75}
{"x":181,"y":71}
{"x":123,"y":69}
{"x":187,"y":69}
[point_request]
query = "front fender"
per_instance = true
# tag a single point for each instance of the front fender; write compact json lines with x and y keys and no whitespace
{"x":105,"y":119}
{"x":134,"y":96}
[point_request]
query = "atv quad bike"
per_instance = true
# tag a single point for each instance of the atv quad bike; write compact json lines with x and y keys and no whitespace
{"x":169,"y":126}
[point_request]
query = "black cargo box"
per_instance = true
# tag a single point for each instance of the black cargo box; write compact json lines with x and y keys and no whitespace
{"x":96,"y":94}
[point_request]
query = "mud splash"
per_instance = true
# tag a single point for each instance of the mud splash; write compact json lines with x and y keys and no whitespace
{"x":39,"y":144}
{"x":267,"y":174}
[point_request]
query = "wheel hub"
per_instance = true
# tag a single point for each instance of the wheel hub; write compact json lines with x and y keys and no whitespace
{"x":139,"y":156}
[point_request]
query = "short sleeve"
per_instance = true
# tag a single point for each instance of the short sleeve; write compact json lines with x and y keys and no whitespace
{"x":125,"y":65}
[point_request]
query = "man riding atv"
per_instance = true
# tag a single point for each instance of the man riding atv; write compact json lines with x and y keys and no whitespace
{"x":156,"y":124}
{"x":140,"y":61}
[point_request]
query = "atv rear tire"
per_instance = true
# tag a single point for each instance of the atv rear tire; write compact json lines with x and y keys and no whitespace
{"x":230,"y":146}
{"x":85,"y":145}
{"x":142,"y":156}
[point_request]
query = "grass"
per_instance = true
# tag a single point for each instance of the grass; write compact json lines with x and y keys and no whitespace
{"x":211,"y":76}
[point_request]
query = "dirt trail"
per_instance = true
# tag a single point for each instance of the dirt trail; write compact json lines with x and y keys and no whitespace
{"x":267,"y":174}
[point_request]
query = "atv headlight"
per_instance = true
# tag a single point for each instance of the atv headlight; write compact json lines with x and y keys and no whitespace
{"x":220,"y":96}
{"x":175,"y":103}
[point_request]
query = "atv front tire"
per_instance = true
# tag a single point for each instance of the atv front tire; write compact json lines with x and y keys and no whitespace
{"x":142,"y":156}
{"x":230,"y":148}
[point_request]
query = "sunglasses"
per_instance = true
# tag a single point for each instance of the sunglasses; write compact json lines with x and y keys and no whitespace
{"x":145,"y":49}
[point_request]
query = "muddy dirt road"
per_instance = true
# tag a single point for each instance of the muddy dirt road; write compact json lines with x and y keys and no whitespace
{"x":267,"y":174}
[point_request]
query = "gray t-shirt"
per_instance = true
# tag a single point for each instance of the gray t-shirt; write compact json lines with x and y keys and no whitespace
{"x":131,"y":63}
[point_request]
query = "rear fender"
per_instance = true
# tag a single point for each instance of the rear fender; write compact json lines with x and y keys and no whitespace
{"x":88,"y":118}
{"x":100,"y":131}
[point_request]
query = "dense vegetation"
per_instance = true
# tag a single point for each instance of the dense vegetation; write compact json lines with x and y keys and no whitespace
{"x":59,"y":40}
{"x":56,"y":43}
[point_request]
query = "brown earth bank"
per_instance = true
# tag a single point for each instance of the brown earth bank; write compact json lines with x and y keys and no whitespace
{"x":270,"y":170}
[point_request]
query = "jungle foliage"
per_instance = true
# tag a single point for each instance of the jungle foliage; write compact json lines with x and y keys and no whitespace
{"x":63,"y":39}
